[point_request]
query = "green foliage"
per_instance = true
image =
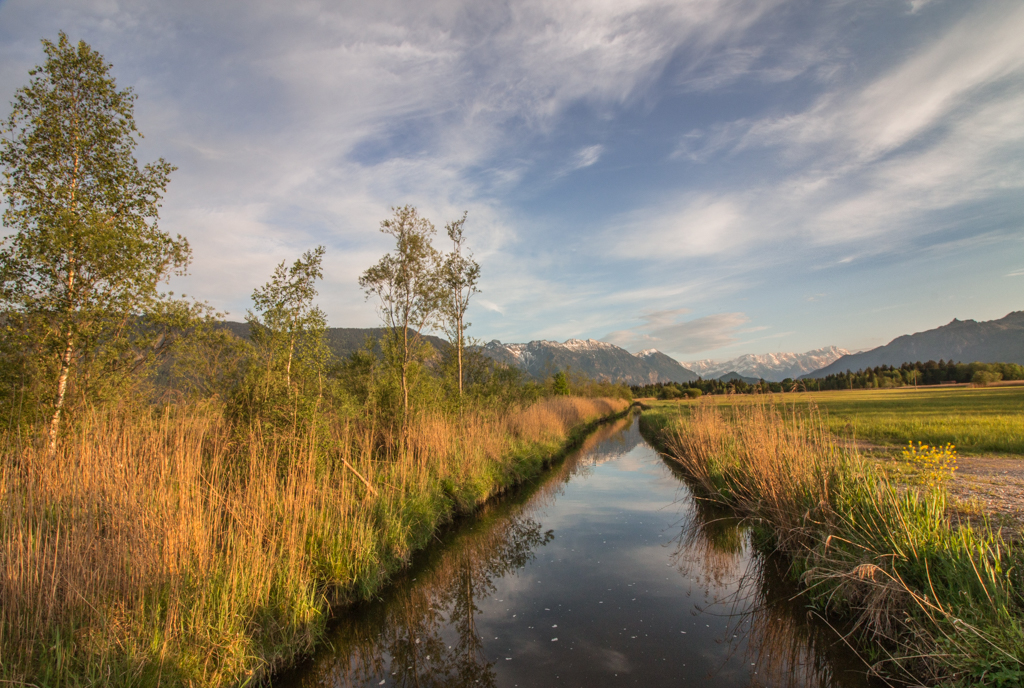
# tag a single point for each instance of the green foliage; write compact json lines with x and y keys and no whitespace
{"x":79,"y":275}
{"x":560,"y":384}
{"x":406,"y":285}
{"x":207,"y":361}
{"x":880,"y":377}
{"x":459,"y":275}
{"x":285,"y":377}
{"x":985,"y":377}
{"x":914,"y":374}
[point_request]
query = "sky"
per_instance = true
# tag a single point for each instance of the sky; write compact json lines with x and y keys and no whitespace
{"x":704,"y":177}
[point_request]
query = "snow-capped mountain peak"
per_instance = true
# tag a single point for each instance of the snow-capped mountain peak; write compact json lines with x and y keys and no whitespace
{"x":772,"y":367}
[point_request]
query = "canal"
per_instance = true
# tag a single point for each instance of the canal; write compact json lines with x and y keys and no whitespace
{"x":607,"y":572}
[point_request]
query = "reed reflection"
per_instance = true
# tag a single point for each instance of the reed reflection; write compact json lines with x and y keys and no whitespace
{"x":771,"y":627}
{"x":426,"y":634}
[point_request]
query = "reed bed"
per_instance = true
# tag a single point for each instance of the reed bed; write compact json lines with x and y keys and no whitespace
{"x":924,"y":598}
{"x":171,"y":549}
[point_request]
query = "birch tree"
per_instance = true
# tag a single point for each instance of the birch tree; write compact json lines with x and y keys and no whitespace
{"x":286,"y":324}
{"x":405,"y":284}
{"x":459,"y":277}
{"x":86,"y":256}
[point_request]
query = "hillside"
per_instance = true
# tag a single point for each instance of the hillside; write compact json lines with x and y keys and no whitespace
{"x":341,"y":340}
{"x":733,"y":375}
{"x":594,"y":359}
{"x":773,"y":367}
{"x":990,"y":341}
{"x":669,"y":368}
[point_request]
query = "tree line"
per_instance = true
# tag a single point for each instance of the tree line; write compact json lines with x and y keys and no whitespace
{"x":918,"y":373}
{"x":878,"y":377}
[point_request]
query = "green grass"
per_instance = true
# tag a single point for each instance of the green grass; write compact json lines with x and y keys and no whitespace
{"x":986,"y":420}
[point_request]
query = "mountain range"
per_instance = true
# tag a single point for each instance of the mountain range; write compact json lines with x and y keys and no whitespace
{"x":772,"y":367}
{"x":961,"y":340}
{"x":990,"y":341}
{"x":597,"y":360}
{"x":342,"y":341}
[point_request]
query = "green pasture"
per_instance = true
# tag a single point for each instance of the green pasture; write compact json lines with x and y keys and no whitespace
{"x":978,"y":420}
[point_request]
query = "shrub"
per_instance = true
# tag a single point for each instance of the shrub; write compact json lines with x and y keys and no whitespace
{"x":985,"y":377}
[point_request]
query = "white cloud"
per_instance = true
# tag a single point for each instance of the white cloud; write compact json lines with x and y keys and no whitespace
{"x":663,"y":330}
{"x":704,"y":226}
{"x":300,"y":124}
{"x":587,"y":156}
{"x":942,"y":130}
{"x":911,"y":99}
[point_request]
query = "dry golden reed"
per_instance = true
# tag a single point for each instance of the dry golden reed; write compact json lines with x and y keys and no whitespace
{"x":169,"y":550}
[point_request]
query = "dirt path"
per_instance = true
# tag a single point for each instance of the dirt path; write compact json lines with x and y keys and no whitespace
{"x":993,"y":486}
{"x":982,"y":485}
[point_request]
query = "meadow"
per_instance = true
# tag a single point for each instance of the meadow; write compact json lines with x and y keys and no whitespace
{"x":977,"y":420}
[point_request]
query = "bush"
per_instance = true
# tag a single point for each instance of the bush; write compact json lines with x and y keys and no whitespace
{"x":985,"y":377}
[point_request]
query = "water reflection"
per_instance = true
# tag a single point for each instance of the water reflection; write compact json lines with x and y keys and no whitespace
{"x":637,"y":582}
{"x":771,"y":627}
{"x":426,"y":635}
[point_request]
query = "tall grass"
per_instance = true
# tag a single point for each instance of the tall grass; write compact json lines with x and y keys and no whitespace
{"x":169,"y":549}
{"x":926,"y":598}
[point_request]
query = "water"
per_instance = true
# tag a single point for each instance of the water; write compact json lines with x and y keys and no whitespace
{"x":607,"y":573}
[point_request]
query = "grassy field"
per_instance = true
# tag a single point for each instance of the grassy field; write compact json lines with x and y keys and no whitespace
{"x":987,"y":420}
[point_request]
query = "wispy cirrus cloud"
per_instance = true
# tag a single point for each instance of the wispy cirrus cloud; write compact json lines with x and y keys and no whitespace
{"x":739,"y":144}
{"x":666,"y":331}
{"x":940,"y":131}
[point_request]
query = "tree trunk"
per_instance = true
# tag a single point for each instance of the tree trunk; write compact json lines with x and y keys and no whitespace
{"x":62,"y":386}
{"x":405,"y":368}
{"x":288,"y":368}
{"x":460,"y":355}
{"x":69,"y":346}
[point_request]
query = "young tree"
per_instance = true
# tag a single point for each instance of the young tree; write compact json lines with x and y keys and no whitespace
{"x":287,"y":320}
{"x":405,"y":284}
{"x":459,"y":277}
{"x":84,"y":262}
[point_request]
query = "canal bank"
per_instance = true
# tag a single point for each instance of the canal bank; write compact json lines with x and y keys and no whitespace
{"x":604,"y":572}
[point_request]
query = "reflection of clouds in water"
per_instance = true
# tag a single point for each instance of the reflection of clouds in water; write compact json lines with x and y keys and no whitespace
{"x":610,"y":442}
{"x":615,"y":661}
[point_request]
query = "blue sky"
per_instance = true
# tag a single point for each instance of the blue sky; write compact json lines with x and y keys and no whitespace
{"x":704,"y":177}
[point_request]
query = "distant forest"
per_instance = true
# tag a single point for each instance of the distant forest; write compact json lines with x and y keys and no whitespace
{"x":879,"y":377}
